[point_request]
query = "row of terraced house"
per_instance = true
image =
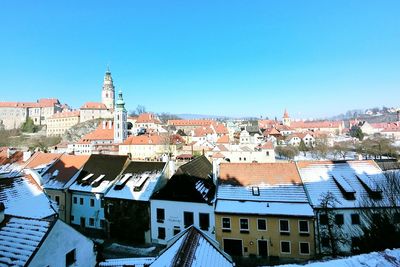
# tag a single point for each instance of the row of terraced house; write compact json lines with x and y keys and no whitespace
{"x":264,"y":209}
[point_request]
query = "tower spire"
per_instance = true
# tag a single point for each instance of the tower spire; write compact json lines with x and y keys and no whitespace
{"x":108,"y":92}
{"x":120,"y":120}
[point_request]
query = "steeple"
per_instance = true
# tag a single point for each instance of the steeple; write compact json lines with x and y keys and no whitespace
{"x":120,"y":120}
{"x":286,"y":119}
{"x":108,"y":92}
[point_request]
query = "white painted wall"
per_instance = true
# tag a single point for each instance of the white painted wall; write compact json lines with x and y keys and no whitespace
{"x":85,"y":210}
{"x":174,"y":217}
{"x":61,"y":240}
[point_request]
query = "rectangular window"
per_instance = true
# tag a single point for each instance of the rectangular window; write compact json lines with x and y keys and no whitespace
{"x":339,"y":219}
{"x":75,"y":200}
{"x":285,"y":247}
{"x":72,"y":218}
{"x":102,"y":224}
{"x":188,"y":218}
{"x":102,"y":203}
{"x":161,"y":233}
{"x":91,"y":221}
{"x":83,"y":222}
{"x":204,"y":221}
{"x":70,"y":257}
{"x":261,"y":224}
{"x":284,"y":226}
{"x":81,"y":201}
{"x":57,"y":198}
{"x":355,"y":218}
{"x":323,"y":219}
{"x":176,"y":231}
{"x":226,"y":223}
{"x":303,"y":227}
{"x":160,"y":215}
{"x":244,"y":225}
{"x":304,"y":248}
{"x":91,"y":202}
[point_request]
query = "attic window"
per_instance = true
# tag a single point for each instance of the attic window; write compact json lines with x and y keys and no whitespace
{"x":98,"y":180}
{"x":87,"y":177}
{"x":120,"y":184}
{"x":255,"y":190}
{"x":372,"y":188}
{"x":346,"y":189}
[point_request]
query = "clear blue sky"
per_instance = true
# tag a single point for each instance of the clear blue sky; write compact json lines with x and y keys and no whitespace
{"x":237,"y":58}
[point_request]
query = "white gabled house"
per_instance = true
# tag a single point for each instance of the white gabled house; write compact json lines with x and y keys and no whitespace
{"x":187,"y":199}
{"x":30,"y":232}
{"x":356,"y":187}
{"x":87,"y":192}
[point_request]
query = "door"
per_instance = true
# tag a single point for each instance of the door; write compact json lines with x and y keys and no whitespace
{"x":263,"y":248}
{"x":233,"y":247}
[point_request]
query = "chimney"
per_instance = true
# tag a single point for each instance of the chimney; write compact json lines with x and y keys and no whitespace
{"x":2,"y":209}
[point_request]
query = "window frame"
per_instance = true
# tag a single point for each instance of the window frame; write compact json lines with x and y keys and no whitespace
{"x":290,"y":247}
{"x":358,"y":220}
{"x":184,"y":218}
{"x":222,"y":223}
{"x":67,"y":256}
{"x":266,"y":226}
{"x":158,"y":212}
{"x":288,"y":223}
{"x":202,"y":214}
{"x":308,"y":227}
{"x":240,"y":225}
{"x":159,"y":231}
{"x":309,"y":248}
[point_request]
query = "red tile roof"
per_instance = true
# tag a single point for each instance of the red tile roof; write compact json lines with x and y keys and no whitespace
{"x":103,"y":132}
{"x":65,"y":114}
{"x":191,"y":122}
{"x":145,"y":140}
{"x":16,"y":157}
{"x":221,"y":129}
{"x":316,"y":124}
{"x":268,"y":145}
{"x":285,"y":114}
{"x":202,"y":131}
{"x":147,"y":118}
{"x":67,"y":166}
{"x":223,"y":140}
{"x":41,"y":103}
{"x":260,"y":173}
{"x":40,"y":158}
{"x":94,"y":105}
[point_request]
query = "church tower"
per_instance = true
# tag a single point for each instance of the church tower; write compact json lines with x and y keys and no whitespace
{"x":108,"y":92}
{"x":286,"y":118}
{"x":120,"y":121}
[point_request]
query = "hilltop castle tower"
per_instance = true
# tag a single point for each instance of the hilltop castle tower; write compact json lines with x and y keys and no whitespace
{"x":120,"y":121}
{"x":108,"y":92}
{"x":286,"y":119}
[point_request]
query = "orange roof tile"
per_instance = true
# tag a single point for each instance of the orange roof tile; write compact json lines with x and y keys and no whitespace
{"x":40,"y":158}
{"x":147,"y":118}
{"x":268,"y":145}
{"x":102,"y":132}
{"x":94,"y":105}
{"x":65,"y":114}
{"x":223,"y":140}
{"x":316,"y":124}
{"x":260,"y":173}
{"x":145,"y":140}
{"x":67,"y":166}
{"x":191,"y":122}
{"x":221,"y":129}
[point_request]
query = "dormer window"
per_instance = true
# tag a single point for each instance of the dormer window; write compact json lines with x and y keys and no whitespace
{"x":255,"y":191}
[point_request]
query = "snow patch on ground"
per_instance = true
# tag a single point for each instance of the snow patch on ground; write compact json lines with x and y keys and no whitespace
{"x":387,"y":258}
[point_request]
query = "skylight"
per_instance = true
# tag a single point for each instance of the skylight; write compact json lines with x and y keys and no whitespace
{"x":255,"y":190}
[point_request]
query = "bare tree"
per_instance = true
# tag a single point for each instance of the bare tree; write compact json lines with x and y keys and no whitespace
{"x":329,"y":229}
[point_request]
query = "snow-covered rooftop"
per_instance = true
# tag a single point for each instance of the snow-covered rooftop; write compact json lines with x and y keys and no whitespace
{"x":193,"y":248}
{"x":24,"y":198}
{"x":137,"y":262}
{"x":19,"y":239}
{"x":387,"y":258}
{"x":263,"y":208}
{"x":353,"y":183}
